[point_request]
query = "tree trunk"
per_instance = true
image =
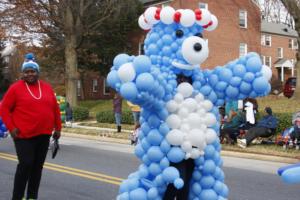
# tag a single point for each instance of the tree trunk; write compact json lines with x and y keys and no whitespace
{"x":71,"y":70}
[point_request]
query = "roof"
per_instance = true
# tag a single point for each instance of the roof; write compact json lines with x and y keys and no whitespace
{"x":283,"y":63}
{"x":153,"y":2}
{"x":278,"y":29}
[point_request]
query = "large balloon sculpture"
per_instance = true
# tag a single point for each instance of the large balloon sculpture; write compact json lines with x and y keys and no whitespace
{"x":290,"y":174}
{"x":179,"y":101}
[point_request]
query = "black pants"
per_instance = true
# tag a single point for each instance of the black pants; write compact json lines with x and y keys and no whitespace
{"x":31,"y":155}
{"x":185,"y":168}
{"x":257,"y":132}
{"x":295,"y":135}
{"x":231,"y":134}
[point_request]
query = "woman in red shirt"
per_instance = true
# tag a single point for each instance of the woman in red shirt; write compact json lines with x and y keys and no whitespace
{"x":30,"y":112}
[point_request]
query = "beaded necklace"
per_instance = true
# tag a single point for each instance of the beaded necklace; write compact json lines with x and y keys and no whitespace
{"x":37,"y":98}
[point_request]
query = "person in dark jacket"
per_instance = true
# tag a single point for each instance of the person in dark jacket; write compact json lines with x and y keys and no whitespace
{"x":117,"y":107}
{"x":264,"y":128}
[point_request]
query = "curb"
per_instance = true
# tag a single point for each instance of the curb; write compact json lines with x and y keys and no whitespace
{"x":223,"y":152}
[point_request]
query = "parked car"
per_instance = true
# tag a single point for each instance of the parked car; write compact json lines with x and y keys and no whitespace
{"x":289,"y":87}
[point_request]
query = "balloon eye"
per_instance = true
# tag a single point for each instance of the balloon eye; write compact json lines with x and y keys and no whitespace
{"x":199,"y":35}
{"x":179,"y":33}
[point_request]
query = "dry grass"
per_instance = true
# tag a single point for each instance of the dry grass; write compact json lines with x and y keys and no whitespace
{"x":279,"y":104}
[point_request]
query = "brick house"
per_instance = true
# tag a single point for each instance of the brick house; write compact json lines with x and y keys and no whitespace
{"x":238,"y":33}
{"x":278,"y":49}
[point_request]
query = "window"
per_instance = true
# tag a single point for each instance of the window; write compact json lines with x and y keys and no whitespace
{"x":268,"y":61}
{"x":268,"y":40}
{"x":263,"y":40}
{"x":203,"y":5}
{"x":141,"y":49}
{"x":291,"y":42}
{"x":95,"y":85}
{"x":243,"y":18}
{"x":263,"y":59}
{"x":280,"y":52}
{"x":295,"y":45}
{"x":106,"y":88}
{"x":78,"y":88}
{"x":243,"y":49}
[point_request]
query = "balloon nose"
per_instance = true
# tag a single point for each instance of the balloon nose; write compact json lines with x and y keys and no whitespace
{"x":197,"y":47}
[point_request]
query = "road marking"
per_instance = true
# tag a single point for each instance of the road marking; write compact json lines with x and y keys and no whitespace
{"x":72,"y":171}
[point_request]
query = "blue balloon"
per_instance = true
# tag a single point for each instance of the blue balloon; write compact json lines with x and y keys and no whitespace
{"x":245,"y":87}
{"x":154,"y":137}
{"x":155,"y":154}
{"x":176,"y":154}
{"x":124,"y":196}
{"x":232,"y":92}
{"x":209,"y":194}
{"x":165,"y":146}
{"x":213,"y":79}
{"x":113,"y":78}
{"x":260,"y":85}
{"x":225,"y":75}
{"x":154,"y":169}
{"x":205,"y":90}
{"x":249,"y":77}
{"x":221,"y":86}
{"x":196,"y":188}
{"x":178,"y":183}
{"x":129,"y":91}
{"x":142,"y":64}
{"x":239,"y":70}
{"x":144,"y":82}
{"x":291,"y":175}
{"x":253,"y":64}
{"x":120,"y":60}
{"x":235,"y":81}
{"x":170,"y":174}
{"x":152,"y":193}
{"x":153,"y":121}
{"x":164,"y":163}
{"x":138,"y":194}
{"x":209,"y":167}
{"x":207,"y":181}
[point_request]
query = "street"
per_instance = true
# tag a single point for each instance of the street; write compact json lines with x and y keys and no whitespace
{"x":92,"y":170}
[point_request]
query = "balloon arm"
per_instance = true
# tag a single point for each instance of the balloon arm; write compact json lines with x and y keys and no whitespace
{"x":290,"y":174}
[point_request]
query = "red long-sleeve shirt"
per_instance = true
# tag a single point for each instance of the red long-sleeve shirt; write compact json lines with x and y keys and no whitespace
{"x":31,"y":116}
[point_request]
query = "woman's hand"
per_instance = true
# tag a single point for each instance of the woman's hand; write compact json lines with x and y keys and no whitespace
{"x":56,"y":135}
{"x":14,"y":133}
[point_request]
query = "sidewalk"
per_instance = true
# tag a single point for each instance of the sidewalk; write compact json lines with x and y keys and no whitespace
{"x":106,"y":136}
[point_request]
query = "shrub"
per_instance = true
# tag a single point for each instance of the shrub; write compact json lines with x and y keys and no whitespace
{"x":80,"y":113}
{"x":108,"y":117}
{"x":285,"y":121}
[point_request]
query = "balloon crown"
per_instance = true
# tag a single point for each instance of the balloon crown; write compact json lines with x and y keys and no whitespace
{"x":185,"y":17}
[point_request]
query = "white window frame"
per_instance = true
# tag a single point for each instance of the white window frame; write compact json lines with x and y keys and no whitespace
{"x":95,"y":85}
{"x":243,"y":13}
{"x":295,"y":44}
{"x":270,"y":61}
{"x":268,"y":38}
{"x":263,"y":40}
{"x":245,"y":47}
{"x":106,"y":90}
{"x":280,"y":52}
{"x":203,"y":5}
{"x":263,"y":59}
{"x":78,"y":88}
{"x":141,"y":50}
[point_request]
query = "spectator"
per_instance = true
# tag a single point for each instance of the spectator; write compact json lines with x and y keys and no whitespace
{"x":135,"y":109}
{"x":230,"y":130}
{"x":231,"y":105}
{"x":264,"y":128}
{"x":30,"y":111}
{"x":135,"y":134}
{"x":295,"y":134}
{"x":69,"y":114}
{"x":117,"y":107}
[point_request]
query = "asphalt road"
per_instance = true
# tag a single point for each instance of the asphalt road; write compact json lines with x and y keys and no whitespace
{"x":92,"y":170}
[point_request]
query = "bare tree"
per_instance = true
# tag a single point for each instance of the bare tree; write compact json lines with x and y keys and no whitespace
{"x":68,"y":22}
{"x":293,"y":7}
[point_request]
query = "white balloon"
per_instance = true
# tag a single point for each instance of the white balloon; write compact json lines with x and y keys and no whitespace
{"x":201,"y":111}
{"x":267,"y":72}
{"x":185,"y":89}
{"x":205,"y":17}
{"x":194,"y":120}
{"x":187,"y":18}
{"x":173,"y":121}
{"x":207,"y":105}
{"x":186,"y":146}
{"x":199,"y":97}
{"x":172,"y":106}
{"x":185,"y":128}
{"x":190,"y":54}
{"x":143,"y":24}
{"x":196,"y":153}
{"x":210,"y":119}
{"x":190,"y":104}
{"x":166,"y":15}
{"x":126,"y":72}
{"x":214,"y":23}
{"x":197,"y":138}
{"x":175,"y":137}
{"x":150,"y":15}
{"x":178,"y":98}
{"x":210,"y":135}
{"x":183,"y":112}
